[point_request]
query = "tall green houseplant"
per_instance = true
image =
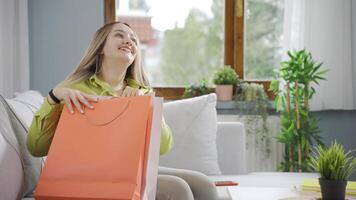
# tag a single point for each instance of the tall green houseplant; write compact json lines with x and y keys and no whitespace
{"x":299,"y":130}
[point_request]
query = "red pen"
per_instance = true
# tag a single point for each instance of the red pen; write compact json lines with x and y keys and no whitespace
{"x":226,"y":183}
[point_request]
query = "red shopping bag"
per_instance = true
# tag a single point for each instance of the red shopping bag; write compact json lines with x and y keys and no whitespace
{"x":102,"y":154}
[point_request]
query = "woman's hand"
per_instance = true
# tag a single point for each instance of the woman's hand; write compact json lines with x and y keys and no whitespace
{"x":76,"y":97}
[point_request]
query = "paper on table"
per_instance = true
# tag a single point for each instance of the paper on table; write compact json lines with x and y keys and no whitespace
{"x":258,"y":193}
{"x":312,"y":184}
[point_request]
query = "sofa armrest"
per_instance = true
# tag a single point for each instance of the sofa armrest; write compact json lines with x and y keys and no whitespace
{"x":231,"y":145}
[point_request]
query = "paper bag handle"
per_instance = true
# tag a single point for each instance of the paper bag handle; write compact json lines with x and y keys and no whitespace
{"x":104,"y":115}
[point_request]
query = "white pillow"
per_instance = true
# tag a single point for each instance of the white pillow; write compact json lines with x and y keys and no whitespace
{"x":25,"y":105}
{"x":194,"y":125}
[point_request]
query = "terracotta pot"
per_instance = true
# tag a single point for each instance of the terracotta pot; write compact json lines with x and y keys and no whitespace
{"x":332,"y":189}
{"x":224,"y":92}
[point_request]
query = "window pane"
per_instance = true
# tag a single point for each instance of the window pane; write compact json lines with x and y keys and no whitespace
{"x":263,"y":37}
{"x":182,"y":40}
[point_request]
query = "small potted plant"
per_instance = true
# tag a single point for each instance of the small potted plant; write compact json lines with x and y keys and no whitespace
{"x":225,"y":79}
{"x":197,"y":89}
{"x":334,"y":167}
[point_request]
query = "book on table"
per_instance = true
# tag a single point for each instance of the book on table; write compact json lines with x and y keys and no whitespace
{"x":312,"y":185}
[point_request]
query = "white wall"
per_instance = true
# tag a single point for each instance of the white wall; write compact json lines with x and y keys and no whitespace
{"x":60,"y":31}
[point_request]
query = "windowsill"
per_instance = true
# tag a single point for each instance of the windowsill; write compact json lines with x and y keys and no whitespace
{"x":242,"y":108}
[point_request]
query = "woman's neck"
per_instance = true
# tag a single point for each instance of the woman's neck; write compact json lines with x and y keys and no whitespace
{"x":113,"y":72}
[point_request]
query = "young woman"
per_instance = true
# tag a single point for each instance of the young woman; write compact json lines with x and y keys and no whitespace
{"x":111,"y":66}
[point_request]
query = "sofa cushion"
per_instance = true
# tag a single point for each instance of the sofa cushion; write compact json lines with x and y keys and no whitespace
{"x":11,"y":168}
{"x":194,"y":124}
{"x":31,"y":165}
{"x":25,"y":104}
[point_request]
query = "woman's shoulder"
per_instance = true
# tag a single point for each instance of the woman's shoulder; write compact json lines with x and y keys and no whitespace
{"x":82,"y":86}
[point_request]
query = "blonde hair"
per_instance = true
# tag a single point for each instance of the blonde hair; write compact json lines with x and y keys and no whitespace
{"x":90,"y":63}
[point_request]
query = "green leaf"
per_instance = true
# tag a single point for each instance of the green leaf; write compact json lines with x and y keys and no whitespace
{"x":322,"y":72}
{"x":333,"y":163}
{"x":277,"y":103}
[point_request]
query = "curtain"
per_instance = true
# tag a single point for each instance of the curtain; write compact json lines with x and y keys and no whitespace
{"x":324,"y":28}
{"x":14,"y":47}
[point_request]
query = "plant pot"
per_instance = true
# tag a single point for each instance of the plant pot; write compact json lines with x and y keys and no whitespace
{"x":332,"y":189}
{"x":224,"y":92}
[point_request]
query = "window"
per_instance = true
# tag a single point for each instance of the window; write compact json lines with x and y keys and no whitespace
{"x":263,"y":37}
{"x":204,"y":35}
{"x":181,"y":40}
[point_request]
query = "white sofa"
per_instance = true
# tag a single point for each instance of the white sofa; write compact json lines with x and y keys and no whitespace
{"x":16,"y":165}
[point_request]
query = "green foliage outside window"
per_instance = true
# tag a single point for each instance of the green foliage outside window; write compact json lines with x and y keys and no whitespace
{"x":263,"y":37}
{"x":196,"y":50}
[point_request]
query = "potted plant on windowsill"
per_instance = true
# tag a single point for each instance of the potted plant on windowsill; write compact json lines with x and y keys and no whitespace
{"x":197,"y":89}
{"x":334,"y":166}
{"x":225,"y":79}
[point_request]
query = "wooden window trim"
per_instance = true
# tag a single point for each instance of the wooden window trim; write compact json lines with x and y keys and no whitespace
{"x":233,"y":45}
{"x":109,"y":11}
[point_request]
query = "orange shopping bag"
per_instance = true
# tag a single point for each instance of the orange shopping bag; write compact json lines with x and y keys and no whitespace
{"x":103,"y":154}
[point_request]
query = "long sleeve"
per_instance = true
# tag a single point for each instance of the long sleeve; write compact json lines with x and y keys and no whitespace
{"x":166,"y":138}
{"x":42,"y":128}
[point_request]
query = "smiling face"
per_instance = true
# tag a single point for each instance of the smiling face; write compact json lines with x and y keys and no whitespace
{"x":121,"y":43}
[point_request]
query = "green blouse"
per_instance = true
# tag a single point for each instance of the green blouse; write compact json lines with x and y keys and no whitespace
{"x":45,"y":120}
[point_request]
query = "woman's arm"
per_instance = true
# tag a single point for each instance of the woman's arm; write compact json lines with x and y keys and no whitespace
{"x":166,"y":138}
{"x":43,"y":126}
{"x":45,"y":121}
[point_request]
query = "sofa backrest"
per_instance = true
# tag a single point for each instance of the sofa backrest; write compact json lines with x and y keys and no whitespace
{"x":11,"y":168}
{"x":18,"y":114}
{"x":231,"y":145}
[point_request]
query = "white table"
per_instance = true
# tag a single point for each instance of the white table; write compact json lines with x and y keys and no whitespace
{"x":267,"y":186}
{"x":265,"y":193}
{"x":273,"y":193}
